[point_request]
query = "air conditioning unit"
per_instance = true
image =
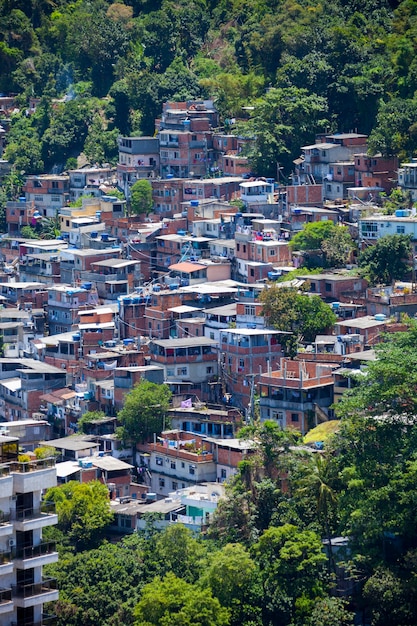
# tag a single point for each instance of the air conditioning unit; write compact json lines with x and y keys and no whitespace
{"x":11,"y":543}
{"x":13,"y":498}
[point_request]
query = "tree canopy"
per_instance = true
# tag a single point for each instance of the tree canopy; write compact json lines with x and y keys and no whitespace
{"x":387,"y":260}
{"x":348,"y":65}
{"x":141,"y":197}
{"x":145,"y":412}
{"x":83,"y":511}
{"x":299,"y":314}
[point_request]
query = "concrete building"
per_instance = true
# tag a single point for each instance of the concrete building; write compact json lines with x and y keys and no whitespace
{"x":298,"y":395}
{"x":48,"y":192}
{"x":138,"y":158}
{"x":23,"y":588}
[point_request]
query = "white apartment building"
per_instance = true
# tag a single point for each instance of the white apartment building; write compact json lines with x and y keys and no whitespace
{"x":23,"y":553}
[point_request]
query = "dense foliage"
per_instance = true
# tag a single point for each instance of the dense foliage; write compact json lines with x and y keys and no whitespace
{"x":267,"y":557}
{"x":299,"y":315}
{"x":101,"y":68}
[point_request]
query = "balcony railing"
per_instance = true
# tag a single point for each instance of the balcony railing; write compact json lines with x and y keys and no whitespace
{"x":4,"y":470}
{"x":21,"y":515}
{"x":32,"y":466}
{"x":34,"y":589}
{"x":46,"y":620}
{"x":31,"y":552}
{"x":5,"y":595}
{"x":4,"y":518}
{"x":5,"y":557}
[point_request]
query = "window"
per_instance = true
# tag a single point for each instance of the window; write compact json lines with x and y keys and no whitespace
{"x":238,"y":247}
{"x":244,"y":248}
{"x":323,"y":153}
{"x":182,"y":464}
{"x":272,"y":252}
{"x":223,"y":474}
{"x":174,"y":485}
{"x":161,"y":483}
{"x":170,"y":372}
{"x":191,"y":470}
{"x":211,"y":335}
{"x":294,"y":417}
{"x":241,"y":364}
{"x":400,"y":230}
{"x":182,"y":371}
{"x":38,"y":198}
{"x":209,"y":370}
{"x":159,"y":460}
{"x":328,"y":287}
{"x":249,"y":309}
{"x":173,"y":465}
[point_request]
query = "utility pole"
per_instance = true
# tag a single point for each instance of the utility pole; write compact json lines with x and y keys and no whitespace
{"x":250,"y":413}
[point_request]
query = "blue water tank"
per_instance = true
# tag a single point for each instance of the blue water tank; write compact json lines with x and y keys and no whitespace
{"x":127,"y":342}
{"x":87,"y":286}
{"x":104,"y":237}
{"x":194,"y":202}
{"x":98,"y":215}
{"x":94,"y":235}
{"x":170,"y":176}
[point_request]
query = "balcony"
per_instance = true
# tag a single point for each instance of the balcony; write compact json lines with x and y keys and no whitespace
{"x":35,"y":517}
{"x":5,"y":600}
{"x":34,"y":475}
{"x":35,"y":593}
{"x":6,"y":563}
{"x":46,"y":620}
{"x":6,"y":527}
{"x":40,"y":555}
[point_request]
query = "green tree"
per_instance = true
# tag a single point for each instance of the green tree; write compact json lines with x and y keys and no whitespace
{"x":145,"y":412}
{"x":388,"y":387}
{"x":141,"y":197}
{"x":291,"y":312}
{"x":179,"y":553}
{"x":387,"y":260}
{"x":112,"y":571}
{"x":233,"y":577}
{"x":338,"y":247}
{"x":291,"y":562}
{"x":330,"y":612}
{"x":174,"y":602}
{"x":282,"y":121}
{"x":316,"y":482}
{"x":83,"y":512}
{"x":312,"y":235}
{"x":395,"y":132}
{"x":87,"y":418}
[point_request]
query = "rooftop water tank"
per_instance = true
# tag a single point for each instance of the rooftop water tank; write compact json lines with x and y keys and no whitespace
{"x":194,"y":202}
{"x":380,"y":317}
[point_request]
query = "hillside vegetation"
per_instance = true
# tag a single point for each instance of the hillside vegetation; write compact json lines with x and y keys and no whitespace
{"x":102,"y":68}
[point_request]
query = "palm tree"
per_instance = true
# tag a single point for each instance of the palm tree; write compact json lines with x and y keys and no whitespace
{"x":317,"y":483}
{"x":51,"y":227}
